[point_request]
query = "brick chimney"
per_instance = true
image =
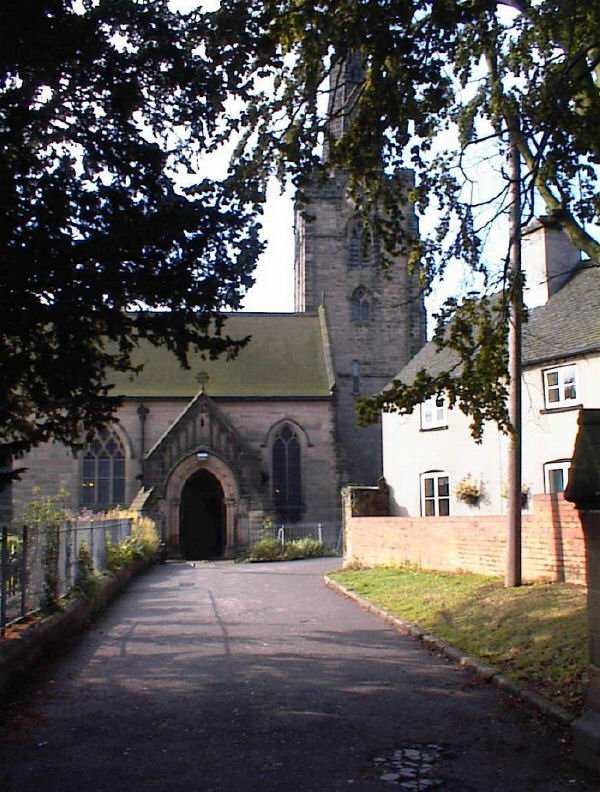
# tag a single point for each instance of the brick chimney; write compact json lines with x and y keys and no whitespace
{"x":548,"y":259}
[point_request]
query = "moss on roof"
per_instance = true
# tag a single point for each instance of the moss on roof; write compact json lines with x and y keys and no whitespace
{"x":285,"y":357}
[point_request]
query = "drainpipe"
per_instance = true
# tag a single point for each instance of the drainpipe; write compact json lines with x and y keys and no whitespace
{"x":142,"y":412}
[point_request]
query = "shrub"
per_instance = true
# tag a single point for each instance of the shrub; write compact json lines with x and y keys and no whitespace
{"x":267,"y":549}
{"x":45,"y":515}
{"x":144,"y":540}
{"x":270,"y":549}
{"x":88,"y":580}
{"x":304,"y":548}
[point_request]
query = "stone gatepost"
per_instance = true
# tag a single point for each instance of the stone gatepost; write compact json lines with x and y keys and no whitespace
{"x":584,"y":491}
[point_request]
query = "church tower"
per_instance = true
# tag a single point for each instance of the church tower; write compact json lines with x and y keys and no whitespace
{"x":376,"y":318}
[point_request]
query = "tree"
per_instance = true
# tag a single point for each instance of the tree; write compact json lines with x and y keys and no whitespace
{"x":104,"y":105}
{"x":431,"y":71}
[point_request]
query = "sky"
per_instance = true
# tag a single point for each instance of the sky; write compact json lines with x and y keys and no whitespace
{"x":274,"y":274}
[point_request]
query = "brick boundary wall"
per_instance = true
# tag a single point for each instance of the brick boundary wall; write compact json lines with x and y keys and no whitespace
{"x":553,"y":546}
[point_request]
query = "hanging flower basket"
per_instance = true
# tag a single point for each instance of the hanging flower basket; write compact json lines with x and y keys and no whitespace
{"x":468,"y":491}
{"x":524,"y":494}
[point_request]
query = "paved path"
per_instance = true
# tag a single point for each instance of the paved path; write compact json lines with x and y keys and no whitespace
{"x":220,"y":677}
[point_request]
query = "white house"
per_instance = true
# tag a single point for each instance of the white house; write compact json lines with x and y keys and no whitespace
{"x":428,"y":453}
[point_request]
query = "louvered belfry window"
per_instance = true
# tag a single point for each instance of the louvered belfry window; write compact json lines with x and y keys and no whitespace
{"x":286,"y":475}
{"x":103,"y":475}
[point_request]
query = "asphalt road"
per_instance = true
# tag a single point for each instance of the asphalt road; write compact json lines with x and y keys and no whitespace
{"x":218,"y":676}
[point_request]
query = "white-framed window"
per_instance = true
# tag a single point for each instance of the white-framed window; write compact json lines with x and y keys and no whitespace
{"x":433,"y":412}
{"x":560,"y":387}
{"x":556,"y":475}
{"x":435,"y":494}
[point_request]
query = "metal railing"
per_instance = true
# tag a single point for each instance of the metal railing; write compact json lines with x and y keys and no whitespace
{"x":34,"y":559}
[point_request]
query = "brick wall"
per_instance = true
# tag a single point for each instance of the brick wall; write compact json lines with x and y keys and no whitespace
{"x":552,"y":541}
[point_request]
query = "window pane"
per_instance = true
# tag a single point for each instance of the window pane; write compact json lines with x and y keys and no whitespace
{"x":429,"y":508}
{"x":556,"y":480}
{"x":279,"y":471}
{"x":552,"y":378}
{"x":118,"y":497}
{"x":443,"y":486}
{"x":294,"y":488}
{"x":428,"y":488}
{"x":444,"y":507}
{"x":570,"y":392}
{"x":553,"y":395}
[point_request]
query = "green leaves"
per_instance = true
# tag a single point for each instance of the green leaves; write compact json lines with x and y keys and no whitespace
{"x":440,"y":84}
{"x":469,"y":368}
{"x":99,"y":107}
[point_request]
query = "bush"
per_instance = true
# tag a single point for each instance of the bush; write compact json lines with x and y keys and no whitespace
{"x":88,"y":580}
{"x":45,"y":515}
{"x":270,"y":549}
{"x":267,"y":549}
{"x":143,"y":542}
{"x":123,"y":554}
{"x":304,"y":548}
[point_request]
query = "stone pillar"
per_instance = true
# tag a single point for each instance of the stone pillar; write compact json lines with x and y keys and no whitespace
{"x":230,"y":509}
{"x":584,"y":491}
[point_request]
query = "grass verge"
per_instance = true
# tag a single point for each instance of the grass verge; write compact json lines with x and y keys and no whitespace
{"x":535,"y":634}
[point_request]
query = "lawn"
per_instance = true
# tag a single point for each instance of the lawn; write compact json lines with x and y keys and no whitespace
{"x":535,"y":634}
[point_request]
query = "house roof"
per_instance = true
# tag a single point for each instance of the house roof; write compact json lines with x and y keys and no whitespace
{"x":567,"y":326}
{"x":287,"y":356}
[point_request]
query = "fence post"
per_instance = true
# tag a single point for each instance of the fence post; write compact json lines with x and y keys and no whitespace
{"x":68,"y":555}
{"x":4,"y":588}
{"x":24,"y":561}
{"x":91,"y":542}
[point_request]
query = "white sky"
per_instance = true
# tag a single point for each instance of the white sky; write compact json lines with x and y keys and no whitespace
{"x":274,"y":287}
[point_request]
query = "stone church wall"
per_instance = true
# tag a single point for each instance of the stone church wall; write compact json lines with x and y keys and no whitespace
{"x":51,"y":465}
{"x":49,"y":468}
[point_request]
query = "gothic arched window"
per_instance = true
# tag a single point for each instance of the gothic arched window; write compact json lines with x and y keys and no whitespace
{"x":103,"y":474}
{"x":354,"y":245}
{"x":359,"y":303}
{"x":363,"y":248}
{"x":286,"y":475}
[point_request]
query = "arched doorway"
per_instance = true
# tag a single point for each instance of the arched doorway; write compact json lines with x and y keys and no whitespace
{"x":202,"y":517}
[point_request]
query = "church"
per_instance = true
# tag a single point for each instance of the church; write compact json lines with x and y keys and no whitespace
{"x":216,"y":451}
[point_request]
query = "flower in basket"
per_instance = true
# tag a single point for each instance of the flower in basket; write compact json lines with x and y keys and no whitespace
{"x":525,"y":491}
{"x":468,"y":490}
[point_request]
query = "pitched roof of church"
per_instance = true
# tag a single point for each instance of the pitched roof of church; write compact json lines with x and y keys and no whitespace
{"x":287,"y":356}
{"x":567,"y":326}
